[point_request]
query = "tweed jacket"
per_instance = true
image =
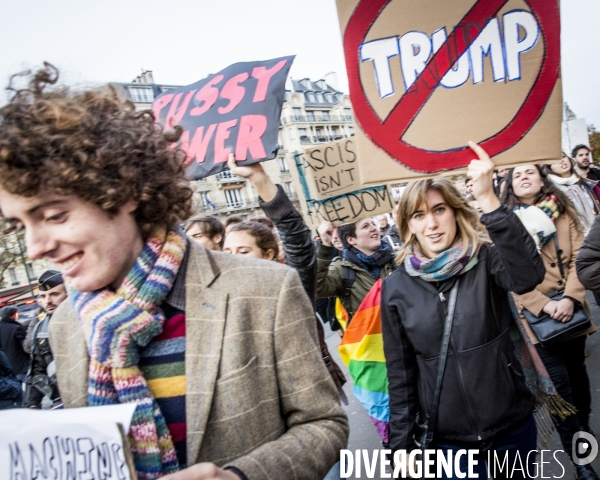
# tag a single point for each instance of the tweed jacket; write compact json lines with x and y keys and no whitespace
{"x":570,"y":238}
{"x":258,"y":395}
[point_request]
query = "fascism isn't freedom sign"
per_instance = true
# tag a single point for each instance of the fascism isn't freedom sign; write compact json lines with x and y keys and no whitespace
{"x":236,"y":110}
{"x":427,"y":76}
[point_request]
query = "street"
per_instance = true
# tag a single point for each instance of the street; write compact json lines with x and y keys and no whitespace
{"x":364,"y":436}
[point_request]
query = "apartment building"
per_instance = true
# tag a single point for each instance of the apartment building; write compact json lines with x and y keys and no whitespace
{"x":313,"y":112}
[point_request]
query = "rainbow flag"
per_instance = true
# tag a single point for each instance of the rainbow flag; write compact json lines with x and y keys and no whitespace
{"x":340,"y":314}
{"x":361,"y":350}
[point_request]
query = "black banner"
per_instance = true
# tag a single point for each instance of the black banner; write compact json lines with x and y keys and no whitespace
{"x":234,"y":111}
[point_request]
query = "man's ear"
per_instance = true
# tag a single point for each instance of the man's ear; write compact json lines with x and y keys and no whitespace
{"x":270,"y":254}
{"x":217,"y":238}
{"x":130,"y":206}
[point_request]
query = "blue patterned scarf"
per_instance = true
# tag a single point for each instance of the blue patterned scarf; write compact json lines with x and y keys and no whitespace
{"x":449,"y":263}
{"x":371,"y":263}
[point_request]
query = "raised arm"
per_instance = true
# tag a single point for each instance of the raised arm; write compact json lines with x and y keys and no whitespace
{"x":514,"y":262}
{"x":295,"y":235}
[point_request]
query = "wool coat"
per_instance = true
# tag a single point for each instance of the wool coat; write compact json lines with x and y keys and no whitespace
{"x":570,"y":238}
{"x":258,"y":396}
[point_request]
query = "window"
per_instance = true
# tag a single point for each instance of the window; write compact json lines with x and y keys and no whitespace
{"x":351,"y":130}
{"x":310,"y":116}
{"x":226,"y":175}
{"x":329,"y":97}
{"x":310,"y":97}
{"x":348,"y":113}
{"x":234,"y":198}
{"x":287,"y":188}
{"x":13,"y":276}
{"x":297,"y":113}
{"x":325,"y":116}
{"x":320,"y":98}
{"x":30,"y":274}
{"x":302,"y":132}
{"x":141,"y":94}
{"x":283,"y":168}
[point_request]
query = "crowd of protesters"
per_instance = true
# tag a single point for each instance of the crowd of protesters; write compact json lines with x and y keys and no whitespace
{"x":163,"y":289}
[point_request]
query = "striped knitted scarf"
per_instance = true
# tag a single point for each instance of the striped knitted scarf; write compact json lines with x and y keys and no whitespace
{"x":116,"y":325}
{"x":539,"y":219}
{"x":442,"y":267}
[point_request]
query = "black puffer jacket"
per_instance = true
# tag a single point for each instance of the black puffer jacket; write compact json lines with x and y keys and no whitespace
{"x":300,"y":254}
{"x":483,"y":391}
{"x":299,"y":249}
{"x":588,"y":259}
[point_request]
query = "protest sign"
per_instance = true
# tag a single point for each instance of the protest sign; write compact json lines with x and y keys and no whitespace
{"x":426,"y":77}
{"x":66,"y":444}
{"x":331,"y":169}
{"x":331,"y":188}
{"x":236,"y":110}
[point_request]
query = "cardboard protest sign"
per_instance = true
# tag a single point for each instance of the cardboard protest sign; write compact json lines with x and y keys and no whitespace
{"x":331,"y":168}
{"x":66,"y":444}
{"x":236,"y":110}
{"x":331,"y":188}
{"x":427,"y":76}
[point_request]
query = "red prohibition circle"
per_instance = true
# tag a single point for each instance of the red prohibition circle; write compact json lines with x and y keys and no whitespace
{"x":387,"y":134}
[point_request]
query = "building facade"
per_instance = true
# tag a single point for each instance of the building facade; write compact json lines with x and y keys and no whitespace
{"x":313,"y":112}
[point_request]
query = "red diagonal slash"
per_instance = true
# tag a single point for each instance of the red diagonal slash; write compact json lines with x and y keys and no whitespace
{"x":388,"y":134}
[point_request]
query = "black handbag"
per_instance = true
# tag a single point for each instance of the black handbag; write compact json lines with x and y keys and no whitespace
{"x":550,"y":331}
{"x":425,"y":427}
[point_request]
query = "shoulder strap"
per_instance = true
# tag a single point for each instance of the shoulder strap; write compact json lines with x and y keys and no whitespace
{"x":559,"y":258}
{"x":348,"y":277}
{"x":442,"y":362}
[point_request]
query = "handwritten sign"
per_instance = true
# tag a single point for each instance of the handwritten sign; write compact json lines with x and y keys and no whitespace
{"x":426,"y":77}
{"x":71,"y":444}
{"x":351,"y":207}
{"x":331,"y":189}
{"x":330,"y":169}
{"x":236,"y":110}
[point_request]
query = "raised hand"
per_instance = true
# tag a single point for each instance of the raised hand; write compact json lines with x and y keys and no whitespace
{"x":326,"y":233}
{"x":245,"y":171}
{"x":481,"y":171}
{"x":265,"y":188}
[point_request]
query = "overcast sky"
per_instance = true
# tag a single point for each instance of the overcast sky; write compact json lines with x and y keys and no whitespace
{"x":182,"y":41}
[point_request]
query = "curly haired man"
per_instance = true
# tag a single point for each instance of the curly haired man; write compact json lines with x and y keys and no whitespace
{"x":226,"y":388}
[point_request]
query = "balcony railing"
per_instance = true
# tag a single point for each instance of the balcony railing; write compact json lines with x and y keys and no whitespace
{"x":227,"y":176}
{"x":316,"y":119}
{"x":227,"y":207}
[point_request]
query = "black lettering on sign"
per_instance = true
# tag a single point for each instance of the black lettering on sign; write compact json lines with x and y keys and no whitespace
{"x":65,"y":458}
{"x":350,"y":207}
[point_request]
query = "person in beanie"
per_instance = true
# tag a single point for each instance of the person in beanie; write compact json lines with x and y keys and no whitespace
{"x":41,"y":377}
{"x":219,"y":352}
{"x":12,"y":334}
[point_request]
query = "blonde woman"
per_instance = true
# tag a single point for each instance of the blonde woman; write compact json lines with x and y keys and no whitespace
{"x":484,"y":402}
